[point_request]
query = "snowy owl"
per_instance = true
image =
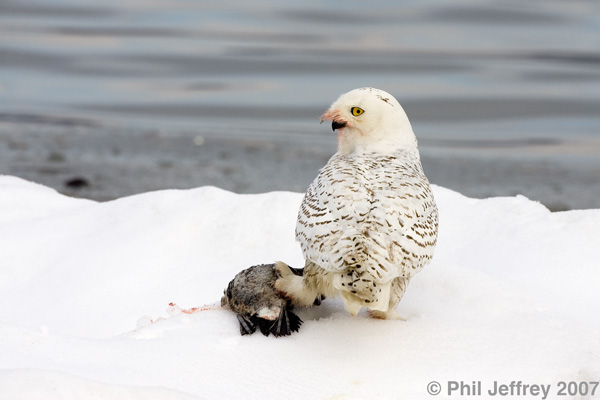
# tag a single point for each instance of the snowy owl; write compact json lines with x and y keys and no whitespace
{"x":369,"y":221}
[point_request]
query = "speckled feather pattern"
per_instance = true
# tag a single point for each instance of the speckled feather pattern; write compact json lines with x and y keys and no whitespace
{"x":369,"y":219}
{"x":383,"y":202}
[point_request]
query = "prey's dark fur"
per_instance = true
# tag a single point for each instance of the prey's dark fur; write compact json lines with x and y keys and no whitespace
{"x":253,"y":298}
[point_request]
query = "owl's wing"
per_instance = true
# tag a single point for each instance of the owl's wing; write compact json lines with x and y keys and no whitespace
{"x":381,"y":213}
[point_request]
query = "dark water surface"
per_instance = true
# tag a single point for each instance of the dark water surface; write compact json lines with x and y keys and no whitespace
{"x":493,"y":83}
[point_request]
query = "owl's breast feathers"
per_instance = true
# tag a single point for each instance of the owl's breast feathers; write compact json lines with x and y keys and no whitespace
{"x":369,"y":214}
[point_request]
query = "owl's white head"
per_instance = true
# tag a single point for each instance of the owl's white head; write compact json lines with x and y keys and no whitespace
{"x":370,"y":120}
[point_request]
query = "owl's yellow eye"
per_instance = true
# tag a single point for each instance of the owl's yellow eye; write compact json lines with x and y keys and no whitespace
{"x":356,"y":111}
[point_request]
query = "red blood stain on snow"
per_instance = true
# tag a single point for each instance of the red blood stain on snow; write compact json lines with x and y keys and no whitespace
{"x":207,"y":307}
{"x":174,"y":310}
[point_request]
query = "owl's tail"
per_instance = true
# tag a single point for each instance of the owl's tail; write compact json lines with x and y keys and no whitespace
{"x":363,"y":273}
{"x":359,"y":288}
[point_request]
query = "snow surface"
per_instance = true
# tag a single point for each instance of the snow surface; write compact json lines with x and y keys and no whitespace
{"x":85,"y":287}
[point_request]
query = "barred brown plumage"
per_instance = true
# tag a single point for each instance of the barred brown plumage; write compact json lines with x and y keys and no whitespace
{"x":369,"y":221}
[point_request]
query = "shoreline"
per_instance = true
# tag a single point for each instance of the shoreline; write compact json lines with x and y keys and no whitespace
{"x":103,"y":163}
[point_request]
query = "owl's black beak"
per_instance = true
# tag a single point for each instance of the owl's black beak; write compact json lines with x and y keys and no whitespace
{"x":337,"y":125}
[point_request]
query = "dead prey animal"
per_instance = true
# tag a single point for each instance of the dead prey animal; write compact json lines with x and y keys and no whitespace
{"x":253,"y":298}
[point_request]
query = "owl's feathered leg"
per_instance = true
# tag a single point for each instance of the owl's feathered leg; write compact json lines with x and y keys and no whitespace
{"x":305,"y":290}
{"x":399,"y":286}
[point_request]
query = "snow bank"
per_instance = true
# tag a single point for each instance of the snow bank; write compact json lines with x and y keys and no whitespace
{"x":85,"y":287}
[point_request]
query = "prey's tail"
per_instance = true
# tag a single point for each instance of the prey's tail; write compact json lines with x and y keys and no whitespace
{"x":284,"y":325}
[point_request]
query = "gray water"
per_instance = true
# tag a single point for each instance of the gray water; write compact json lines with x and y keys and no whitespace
{"x":135,"y":95}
